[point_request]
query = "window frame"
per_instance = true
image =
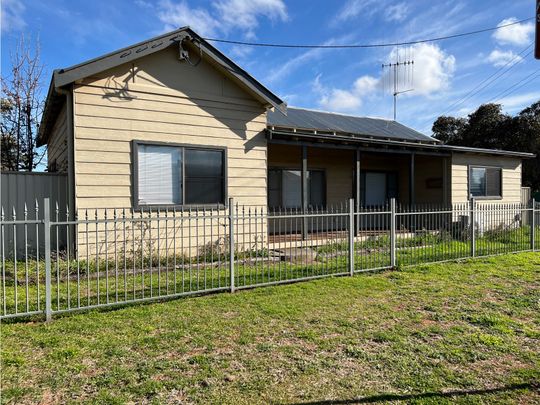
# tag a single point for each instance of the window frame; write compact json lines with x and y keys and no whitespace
{"x":485,"y":197}
{"x":135,"y":175}
{"x":281,"y":169}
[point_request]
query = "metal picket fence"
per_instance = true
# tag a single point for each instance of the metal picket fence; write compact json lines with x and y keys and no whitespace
{"x":117,"y":257}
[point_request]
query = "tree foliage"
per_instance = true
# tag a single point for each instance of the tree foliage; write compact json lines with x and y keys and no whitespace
{"x":21,"y":108}
{"x":489,"y":127}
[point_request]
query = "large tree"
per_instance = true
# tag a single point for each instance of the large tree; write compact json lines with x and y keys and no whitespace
{"x":21,"y":108}
{"x":489,"y":127}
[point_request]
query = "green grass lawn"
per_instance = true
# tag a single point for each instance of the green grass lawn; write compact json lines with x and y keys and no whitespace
{"x":455,"y":332}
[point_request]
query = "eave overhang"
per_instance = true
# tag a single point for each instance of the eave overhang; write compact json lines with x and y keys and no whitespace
{"x":63,"y":78}
{"x":354,"y":141}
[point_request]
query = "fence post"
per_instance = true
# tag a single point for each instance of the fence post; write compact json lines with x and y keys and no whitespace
{"x":473,"y":226}
{"x":393,"y":232}
{"x":47,"y":239}
{"x":533,"y":225}
{"x":351,"y":237}
{"x":231,"y":242}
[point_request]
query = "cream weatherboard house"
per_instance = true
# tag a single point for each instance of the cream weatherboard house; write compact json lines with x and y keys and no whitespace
{"x":172,"y":122}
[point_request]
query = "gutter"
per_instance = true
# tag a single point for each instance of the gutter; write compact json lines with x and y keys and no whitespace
{"x":362,"y":139}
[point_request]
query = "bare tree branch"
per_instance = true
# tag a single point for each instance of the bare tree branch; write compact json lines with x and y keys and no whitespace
{"x":22,"y":104}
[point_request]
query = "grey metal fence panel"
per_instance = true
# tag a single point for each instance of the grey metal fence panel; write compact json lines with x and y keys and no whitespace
{"x":23,"y":192}
{"x":526,"y":197}
{"x":119,"y":256}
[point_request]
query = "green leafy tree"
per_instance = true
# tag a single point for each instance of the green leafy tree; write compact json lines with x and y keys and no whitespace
{"x":449,"y":130}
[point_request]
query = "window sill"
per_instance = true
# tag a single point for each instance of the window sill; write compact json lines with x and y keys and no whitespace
{"x":179,"y":207}
{"x":487,"y":198}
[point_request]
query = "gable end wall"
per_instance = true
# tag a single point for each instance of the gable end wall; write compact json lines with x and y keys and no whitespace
{"x":161,"y":99}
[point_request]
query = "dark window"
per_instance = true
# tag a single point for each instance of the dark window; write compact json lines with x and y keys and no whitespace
{"x":174,"y":175}
{"x":485,"y":182}
{"x":493,"y":182}
{"x":285,"y":188}
{"x":204,"y":176}
{"x":377,"y":188}
{"x":274,"y":188}
{"x":317,"y":188}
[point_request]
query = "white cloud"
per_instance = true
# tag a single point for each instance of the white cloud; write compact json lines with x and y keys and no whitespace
{"x":433,"y":70}
{"x":368,"y":8}
{"x":292,"y":64}
{"x":365,"y":85}
{"x":501,"y":58}
{"x":176,"y":15}
{"x":396,"y":12}
{"x":346,"y":100}
{"x":517,"y":102}
{"x":341,"y":100}
{"x":244,"y":14}
{"x":281,"y":70}
{"x":517,"y":34}
{"x":353,"y":8}
{"x":12,"y":15}
{"x":143,"y":4}
{"x":225,"y":16}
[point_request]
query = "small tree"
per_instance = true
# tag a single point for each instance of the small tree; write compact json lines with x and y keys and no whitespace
{"x":21,"y":109}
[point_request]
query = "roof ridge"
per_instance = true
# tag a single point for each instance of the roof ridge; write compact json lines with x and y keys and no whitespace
{"x":343,"y":114}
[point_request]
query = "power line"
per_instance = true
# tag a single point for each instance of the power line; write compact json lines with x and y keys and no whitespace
{"x":352,"y":46}
{"x":494,"y":77}
{"x":527,"y":79}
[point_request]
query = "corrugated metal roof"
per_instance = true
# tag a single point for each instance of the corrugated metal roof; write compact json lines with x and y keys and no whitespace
{"x":384,"y":145}
{"x":302,"y":119}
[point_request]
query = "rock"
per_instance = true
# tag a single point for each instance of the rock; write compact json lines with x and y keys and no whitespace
{"x":297,"y":255}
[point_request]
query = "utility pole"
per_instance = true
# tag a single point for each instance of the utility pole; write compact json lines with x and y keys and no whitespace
{"x":537,"y":38}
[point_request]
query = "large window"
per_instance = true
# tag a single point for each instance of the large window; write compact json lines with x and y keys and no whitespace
{"x":178,"y":175}
{"x":485,"y":182}
{"x":285,"y":188}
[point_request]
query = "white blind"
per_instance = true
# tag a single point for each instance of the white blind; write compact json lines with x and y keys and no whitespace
{"x":292,"y":188}
{"x":160,"y":174}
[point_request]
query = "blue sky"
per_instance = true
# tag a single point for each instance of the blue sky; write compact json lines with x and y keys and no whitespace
{"x":347,"y":81}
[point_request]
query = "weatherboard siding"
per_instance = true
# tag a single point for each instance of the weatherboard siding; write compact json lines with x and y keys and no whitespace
{"x":57,"y":144}
{"x":511,"y":176}
{"x":160,"y":99}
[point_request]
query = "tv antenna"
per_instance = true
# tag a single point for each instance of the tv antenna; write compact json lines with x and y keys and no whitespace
{"x":399,"y":74}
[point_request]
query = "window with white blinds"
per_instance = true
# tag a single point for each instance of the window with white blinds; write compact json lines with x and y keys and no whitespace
{"x":177,"y":175}
{"x":160,"y":174}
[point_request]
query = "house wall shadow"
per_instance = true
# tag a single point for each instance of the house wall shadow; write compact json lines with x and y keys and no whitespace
{"x":206,"y":85}
{"x":425,"y":395}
